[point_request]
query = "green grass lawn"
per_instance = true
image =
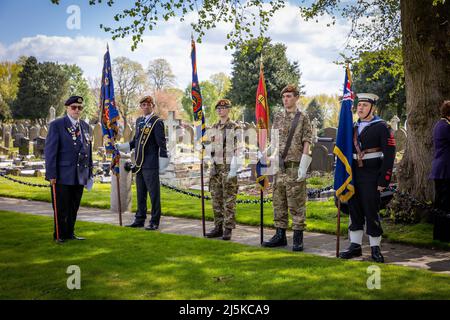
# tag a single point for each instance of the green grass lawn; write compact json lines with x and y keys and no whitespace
{"x":124,"y":263}
{"x":321,"y":216}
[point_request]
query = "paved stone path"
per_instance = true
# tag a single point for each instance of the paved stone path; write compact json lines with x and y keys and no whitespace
{"x":315,"y":243}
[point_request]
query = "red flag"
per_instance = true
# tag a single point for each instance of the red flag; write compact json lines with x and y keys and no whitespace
{"x":262,"y":122}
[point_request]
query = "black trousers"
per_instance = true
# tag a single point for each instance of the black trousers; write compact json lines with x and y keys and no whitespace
{"x":442,"y":194}
{"x":67,"y":204}
{"x":441,"y":230}
{"x":364,"y":207}
{"x":147,"y":182}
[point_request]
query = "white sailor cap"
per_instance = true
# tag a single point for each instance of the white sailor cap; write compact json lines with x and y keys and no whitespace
{"x":369,"y":97}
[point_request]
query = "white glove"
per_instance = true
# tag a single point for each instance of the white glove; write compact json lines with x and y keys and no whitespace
{"x":303,"y":167}
{"x":123,"y":147}
{"x":233,"y":168}
{"x":163,"y":164}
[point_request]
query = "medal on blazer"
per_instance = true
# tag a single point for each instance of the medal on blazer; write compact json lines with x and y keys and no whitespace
{"x":146,"y":132}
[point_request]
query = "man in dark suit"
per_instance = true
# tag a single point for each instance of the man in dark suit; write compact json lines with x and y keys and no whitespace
{"x":68,"y":166}
{"x":152,"y":159}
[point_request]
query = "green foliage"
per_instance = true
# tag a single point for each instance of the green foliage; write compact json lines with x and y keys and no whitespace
{"x":217,"y":87}
{"x":9,"y":85}
{"x":78,"y":85}
{"x":315,"y":111}
{"x":41,"y":86}
{"x":278,"y":72}
{"x":160,"y":74}
{"x":381,"y":72}
{"x":130,"y":83}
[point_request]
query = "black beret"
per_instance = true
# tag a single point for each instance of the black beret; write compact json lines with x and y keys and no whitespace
{"x":74,"y":99}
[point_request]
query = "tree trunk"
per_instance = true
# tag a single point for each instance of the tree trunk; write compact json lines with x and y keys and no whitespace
{"x":426,"y":55}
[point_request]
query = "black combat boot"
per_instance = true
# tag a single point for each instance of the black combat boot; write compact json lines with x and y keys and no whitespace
{"x":298,"y":240}
{"x":278,"y":240}
{"x":376,"y":254}
{"x":227,"y":234}
{"x":354,"y":250}
{"x":216,"y":232}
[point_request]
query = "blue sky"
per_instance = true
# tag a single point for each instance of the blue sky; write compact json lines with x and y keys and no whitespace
{"x":39,"y":28}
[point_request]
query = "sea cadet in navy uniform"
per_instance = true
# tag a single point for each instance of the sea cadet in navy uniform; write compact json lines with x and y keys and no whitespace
{"x":373,"y":160}
{"x":68,"y":166}
{"x":152,"y":159}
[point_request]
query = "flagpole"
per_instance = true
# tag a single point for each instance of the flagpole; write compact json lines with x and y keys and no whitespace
{"x":338,"y":227}
{"x":203,"y":194}
{"x":118,"y":198}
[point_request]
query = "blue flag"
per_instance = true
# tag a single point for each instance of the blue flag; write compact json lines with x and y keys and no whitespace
{"x":343,"y":177}
{"x":197,"y":103}
{"x":110,"y":114}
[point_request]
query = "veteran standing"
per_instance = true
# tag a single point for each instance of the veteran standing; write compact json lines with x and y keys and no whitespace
{"x":151,"y":159}
{"x":289,"y":186}
{"x":223,"y":175}
{"x":68,"y":167}
{"x":373,"y":160}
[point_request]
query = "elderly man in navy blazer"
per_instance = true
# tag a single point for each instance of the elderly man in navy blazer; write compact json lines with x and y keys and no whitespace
{"x":68,"y":166}
{"x":152,"y":159}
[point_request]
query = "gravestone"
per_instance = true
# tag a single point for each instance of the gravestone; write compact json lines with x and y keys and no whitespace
{"x":38,"y":147}
{"x":6,"y":129}
{"x":327,"y":143}
{"x":171,"y":125}
{"x":7,"y":140}
{"x":34,"y":132}
{"x":330,"y":132}
{"x":17,"y":137}
{"x":322,"y":160}
{"x":98,"y":137}
{"x":394,"y":122}
{"x":127,"y":133}
{"x":314,"y":125}
{"x":24,"y":146}
{"x":51,"y":114}
{"x":400,"y":139}
{"x":43,"y":132}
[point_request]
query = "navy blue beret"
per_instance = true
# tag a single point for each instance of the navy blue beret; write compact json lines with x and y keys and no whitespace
{"x":74,"y":99}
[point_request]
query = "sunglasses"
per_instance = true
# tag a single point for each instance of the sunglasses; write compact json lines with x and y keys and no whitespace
{"x":77,"y":107}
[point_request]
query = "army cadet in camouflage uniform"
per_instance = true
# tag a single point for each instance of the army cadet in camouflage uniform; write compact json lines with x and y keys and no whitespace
{"x":289,"y":187}
{"x":223,"y":177}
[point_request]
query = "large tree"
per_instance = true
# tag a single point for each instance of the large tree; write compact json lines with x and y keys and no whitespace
{"x":382,"y":72}
{"x":41,"y":86}
{"x":79,"y":86}
{"x":9,"y":85}
{"x":160,"y":74}
{"x":278,"y":72}
{"x":315,"y":111}
{"x":130,"y":83}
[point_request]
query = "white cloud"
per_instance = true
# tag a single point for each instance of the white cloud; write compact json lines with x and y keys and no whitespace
{"x":312,"y":44}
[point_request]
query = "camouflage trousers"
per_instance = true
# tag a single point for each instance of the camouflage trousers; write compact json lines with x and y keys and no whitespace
{"x":288,"y":194}
{"x":223,"y":193}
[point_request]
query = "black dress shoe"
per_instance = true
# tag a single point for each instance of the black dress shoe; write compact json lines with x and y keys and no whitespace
{"x":59,"y":240}
{"x":135,"y":224}
{"x":152,"y":226}
{"x":353,"y":251}
{"x":376,"y":254}
{"x":75,"y":237}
